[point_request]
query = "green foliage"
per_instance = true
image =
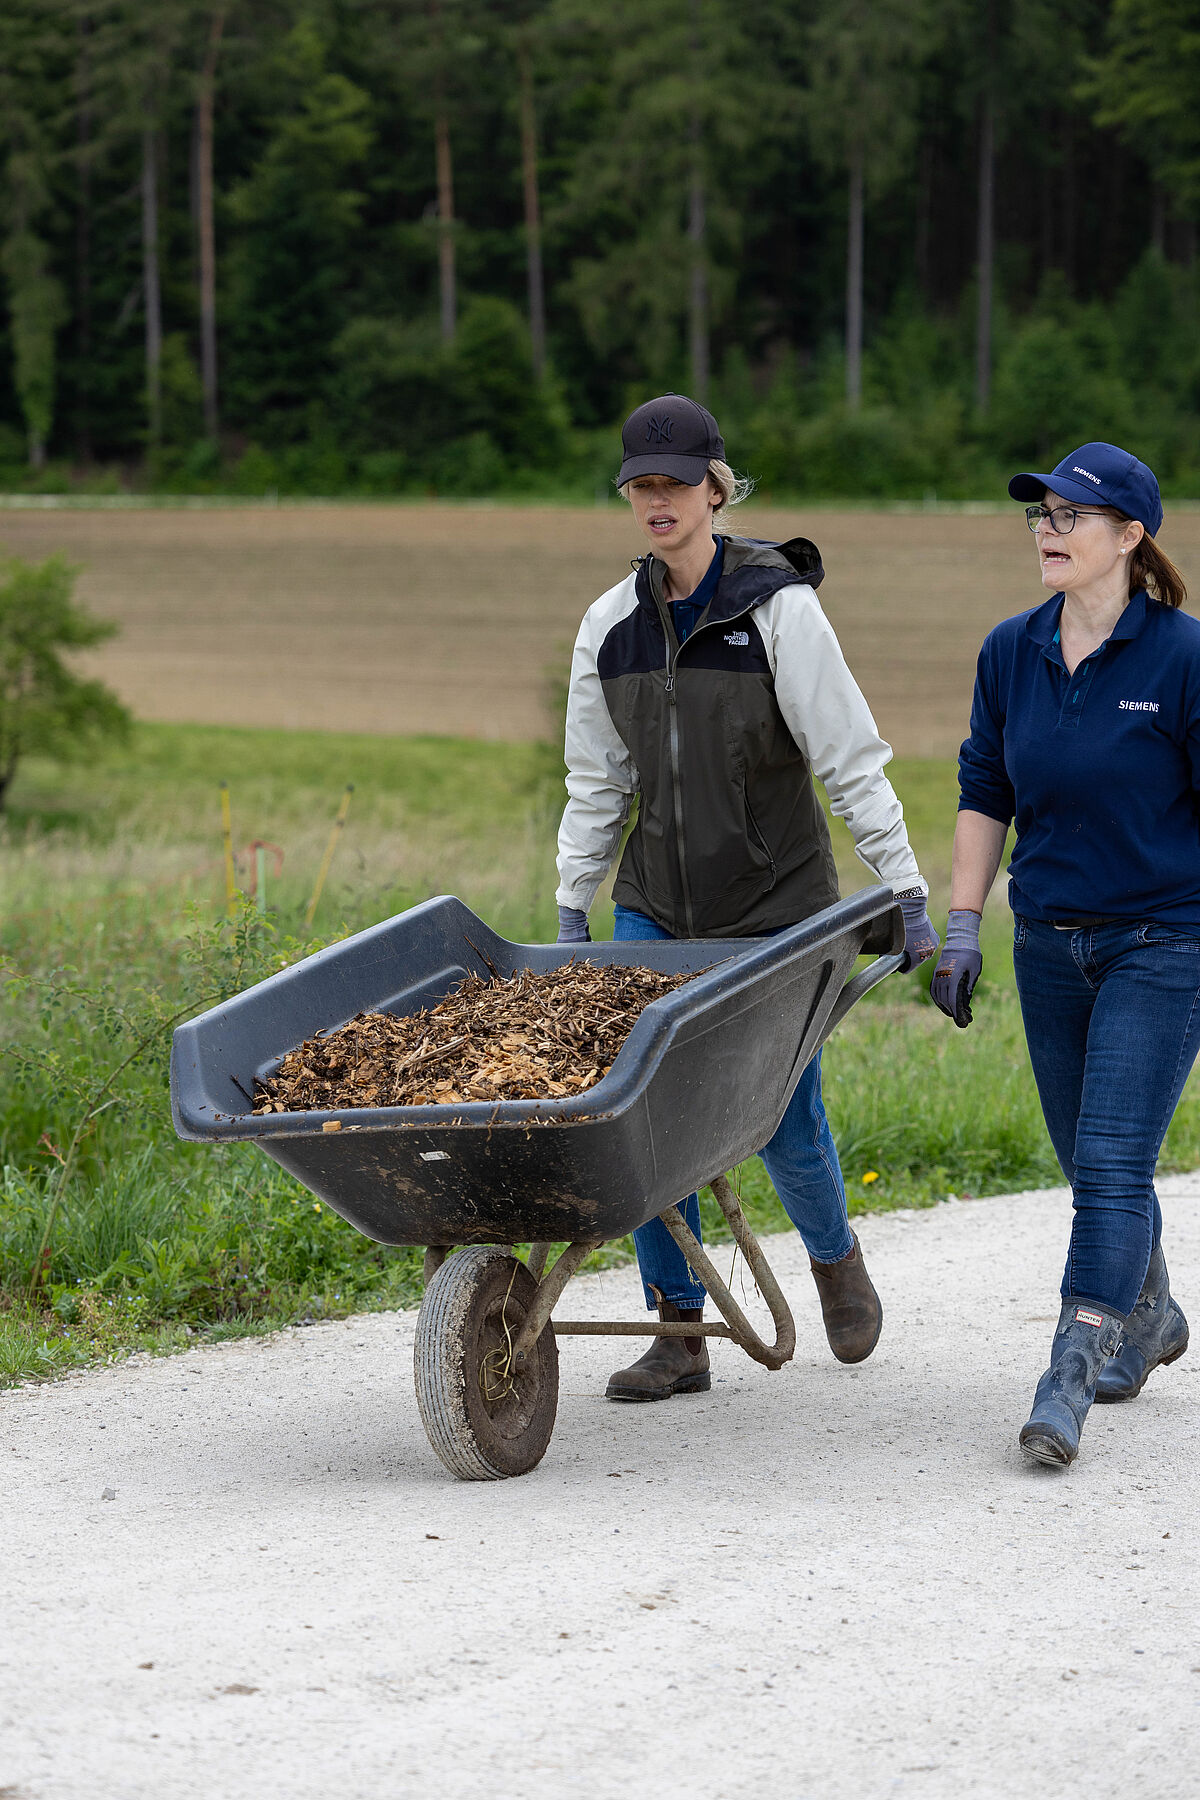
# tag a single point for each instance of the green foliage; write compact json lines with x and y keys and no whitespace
{"x":298,"y":210}
{"x":36,"y":308}
{"x":1147,"y":81}
{"x":692,"y":182}
{"x":456,"y":416}
{"x":44,"y":707}
{"x":1052,"y":389}
{"x":865,"y":60}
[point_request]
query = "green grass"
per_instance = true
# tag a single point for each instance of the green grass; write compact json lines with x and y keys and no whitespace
{"x":155,"y":1243}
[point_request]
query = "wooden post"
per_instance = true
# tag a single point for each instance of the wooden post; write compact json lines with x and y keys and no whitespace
{"x":227,"y":828}
{"x":327,"y":859}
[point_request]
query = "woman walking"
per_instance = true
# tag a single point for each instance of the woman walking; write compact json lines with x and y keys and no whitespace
{"x":1085,"y":730}
{"x":709,"y":686}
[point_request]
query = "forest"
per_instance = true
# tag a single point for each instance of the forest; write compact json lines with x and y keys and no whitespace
{"x":439,"y":247}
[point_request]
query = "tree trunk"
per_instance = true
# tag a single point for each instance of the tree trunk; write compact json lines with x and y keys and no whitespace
{"x":151,"y":286}
{"x":1068,"y":189}
{"x":533,"y":215}
{"x":697,"y":231}
{"x":698,"y":284}
{"x":1049,"y":247}
{"x":854,"y":282}
{"x":921,"y":249}
{"x":986,"y":251}
{"x":445,"y":183}
{"x":83,"y":242}
{"x":206,"y":234}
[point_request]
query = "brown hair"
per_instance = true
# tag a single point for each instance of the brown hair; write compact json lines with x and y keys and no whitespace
{"x":1150,"y":567}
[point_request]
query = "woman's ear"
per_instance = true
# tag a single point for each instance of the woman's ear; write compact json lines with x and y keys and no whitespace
{"x":1132,"y":536}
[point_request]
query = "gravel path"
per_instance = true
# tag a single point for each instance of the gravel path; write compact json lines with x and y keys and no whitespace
{"x":826,"y":1584}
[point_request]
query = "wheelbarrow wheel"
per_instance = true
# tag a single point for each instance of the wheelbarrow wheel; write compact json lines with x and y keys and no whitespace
{"x":483,"y":1418}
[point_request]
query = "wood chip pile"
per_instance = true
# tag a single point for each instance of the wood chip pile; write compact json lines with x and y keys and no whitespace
{"x":527,"y":1037}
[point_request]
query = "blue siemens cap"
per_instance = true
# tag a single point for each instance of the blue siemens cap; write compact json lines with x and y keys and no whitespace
{"x":1099,"y":475}
{"x":670,"y":436}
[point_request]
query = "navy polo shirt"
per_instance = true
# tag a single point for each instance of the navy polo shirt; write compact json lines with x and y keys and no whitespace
{"x":1100,"y":770}
{"x":685,"y":613}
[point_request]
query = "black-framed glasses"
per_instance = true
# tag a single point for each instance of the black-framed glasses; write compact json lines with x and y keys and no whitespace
{"x":1062,"y":518}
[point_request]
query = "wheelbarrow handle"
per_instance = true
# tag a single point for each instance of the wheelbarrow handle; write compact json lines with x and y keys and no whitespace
{"x":861,"y":984}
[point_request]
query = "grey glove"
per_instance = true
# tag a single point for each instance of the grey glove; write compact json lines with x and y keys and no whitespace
{"x":573,"y":926}
{"x":958,"y":969}
{"x":920,"y":939}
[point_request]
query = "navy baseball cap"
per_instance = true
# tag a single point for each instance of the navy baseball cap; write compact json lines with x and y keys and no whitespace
{"x":1099,"y":475}
{"x":670,"y":436}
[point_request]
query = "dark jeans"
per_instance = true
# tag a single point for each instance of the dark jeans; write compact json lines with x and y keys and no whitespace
{"x":801,"y":1160}
{"x":1112,"y":1019}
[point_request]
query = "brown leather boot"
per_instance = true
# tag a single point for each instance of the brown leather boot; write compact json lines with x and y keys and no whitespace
{"x":672,"y":1365}
{"x":851,"y":1308}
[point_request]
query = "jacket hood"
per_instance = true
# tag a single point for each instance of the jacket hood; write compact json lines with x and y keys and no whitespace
{"x":798,"y":556}
{"x":754,"y":570}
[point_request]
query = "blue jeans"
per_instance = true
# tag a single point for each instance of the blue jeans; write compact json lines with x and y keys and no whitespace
{"x":1112,"y":1019}
{"x":801,"y":1160}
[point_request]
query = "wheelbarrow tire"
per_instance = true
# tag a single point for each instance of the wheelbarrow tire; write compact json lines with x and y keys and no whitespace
{"x":483,"y":1421}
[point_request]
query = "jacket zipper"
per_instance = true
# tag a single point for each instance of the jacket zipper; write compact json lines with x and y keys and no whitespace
{"x":677,"y":789}
{"x":676,"y":784}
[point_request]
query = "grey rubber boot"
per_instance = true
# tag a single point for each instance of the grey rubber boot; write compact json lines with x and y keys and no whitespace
{"x":672,"y":1365}
{"x":1155,"y":1332}
{"x":1087,"y":1336}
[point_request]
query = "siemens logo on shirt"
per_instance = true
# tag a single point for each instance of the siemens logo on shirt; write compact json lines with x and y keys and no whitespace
{"x":1137,"y":705}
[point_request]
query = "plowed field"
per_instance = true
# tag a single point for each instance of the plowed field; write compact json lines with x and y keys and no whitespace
{"x":458,"y":619}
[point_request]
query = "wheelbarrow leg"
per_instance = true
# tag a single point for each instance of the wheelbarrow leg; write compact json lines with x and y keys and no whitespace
{"x":772,"y":1356}
{"x":538,"y":1253}
{"x":549,"y":1293}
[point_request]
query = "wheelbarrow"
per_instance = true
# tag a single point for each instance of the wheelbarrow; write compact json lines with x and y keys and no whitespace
{"x":701,"y":1083}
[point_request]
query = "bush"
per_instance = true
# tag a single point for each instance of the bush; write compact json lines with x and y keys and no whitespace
{"x":44,"y":707}
{"x":1055,"y":387}
{"x":461,"y":417}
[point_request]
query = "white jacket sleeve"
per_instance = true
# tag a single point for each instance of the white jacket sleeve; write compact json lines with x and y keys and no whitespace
{"x":826,"y":713}
{"x":601,"y":778}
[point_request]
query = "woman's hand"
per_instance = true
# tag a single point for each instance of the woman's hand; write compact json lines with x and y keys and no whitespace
{"x":958,"y":970}
{"x":920,"y":939}
{"x":573,"y":926}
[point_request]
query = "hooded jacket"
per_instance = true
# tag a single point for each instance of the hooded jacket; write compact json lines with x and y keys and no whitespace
{"x":719,"y":740}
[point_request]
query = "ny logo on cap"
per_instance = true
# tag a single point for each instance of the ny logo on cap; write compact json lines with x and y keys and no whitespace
{"x":659,"y":430}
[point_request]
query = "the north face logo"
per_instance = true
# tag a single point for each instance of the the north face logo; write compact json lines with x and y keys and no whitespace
{"x":659,"y":430}
{"x":739,"y":639}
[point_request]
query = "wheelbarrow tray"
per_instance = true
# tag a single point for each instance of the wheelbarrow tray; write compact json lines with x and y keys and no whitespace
{"x":701,"y":1082}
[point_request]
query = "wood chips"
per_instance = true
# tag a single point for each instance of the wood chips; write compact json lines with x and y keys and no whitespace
{"x":527,"y":1037}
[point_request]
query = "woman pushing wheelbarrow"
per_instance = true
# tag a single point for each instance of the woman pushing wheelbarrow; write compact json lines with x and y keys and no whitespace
{"x":709,"y":687}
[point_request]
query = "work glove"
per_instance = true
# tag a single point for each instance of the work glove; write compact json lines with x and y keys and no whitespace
{"x":573,"y":926}
{"x":958,"y":968}
{"x":920,"y":939}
